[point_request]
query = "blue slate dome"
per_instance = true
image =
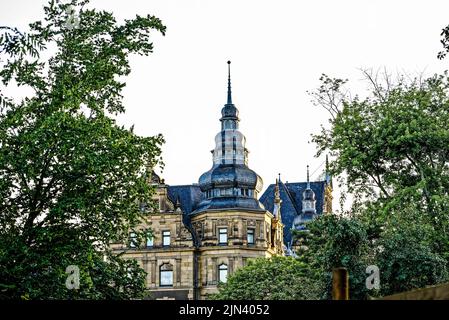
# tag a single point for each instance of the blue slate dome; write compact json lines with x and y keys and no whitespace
{"x":229,"y":175}
{"x":229,"y":111}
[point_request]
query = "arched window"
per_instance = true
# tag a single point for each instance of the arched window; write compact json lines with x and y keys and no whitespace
{"x":166,"y":275}
{"x":222,"y":272}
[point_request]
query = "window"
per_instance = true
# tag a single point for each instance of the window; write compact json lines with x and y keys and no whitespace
{"x":166,"y":238}
{"x":166,"y":275}
{"x":132,"y":240}
{"x":250,"y":236}
{"x":223,"y":236}
{"x":149,"y":239}
{"x":222,"y":272}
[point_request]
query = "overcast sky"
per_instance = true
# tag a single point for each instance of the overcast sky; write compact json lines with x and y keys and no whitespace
{"x":278,"y":51}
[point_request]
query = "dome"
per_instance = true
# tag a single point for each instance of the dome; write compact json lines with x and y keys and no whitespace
{"x":229,"y":111}
{"x":230,"y":175}
{"x":308,"y":195}
{"x":224,"y":203}
{"x":230,"y":186}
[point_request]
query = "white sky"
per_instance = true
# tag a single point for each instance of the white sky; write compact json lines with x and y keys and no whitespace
{"x":278,"y":51}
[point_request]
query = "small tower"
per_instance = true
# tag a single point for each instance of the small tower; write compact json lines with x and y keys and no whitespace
{"x":277,"y":227}
{"x":327,"y":205}
{"x":230,"y":183}
{"x":178,"y":205}
{"x":308,"y":198}
{"x":277,"y":202}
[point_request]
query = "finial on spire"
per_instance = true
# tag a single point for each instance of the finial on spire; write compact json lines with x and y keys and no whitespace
{"x":229,"y":83}
{"x":277,"y":195}
{"x":308,"y":181}
{"x":178,"y":204}
{"x":327,"y":173}
{"x":279,"y":175}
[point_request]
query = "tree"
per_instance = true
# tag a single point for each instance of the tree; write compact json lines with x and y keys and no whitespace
{"x":445,"y":42}
{"x":392,"y":147}
{"x":333,"y":241}
{"x":71,"y":179}
{"x":276,"y":278}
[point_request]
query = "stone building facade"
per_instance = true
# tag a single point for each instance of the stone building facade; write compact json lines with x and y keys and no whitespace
{"x":203,"y":232}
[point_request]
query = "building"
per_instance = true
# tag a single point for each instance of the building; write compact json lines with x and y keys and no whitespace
{"x":203,"y":232}
{"x":301,"y":202}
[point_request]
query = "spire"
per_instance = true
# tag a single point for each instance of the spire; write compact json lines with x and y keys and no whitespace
{"x":178,"y":204}
{"x":277,"y":201}
{"x":308,"y":182}
{"x":277,"y":197}
{"x":327,"y":173}
{"x":308,"y":197}
{"x":229,"y":83}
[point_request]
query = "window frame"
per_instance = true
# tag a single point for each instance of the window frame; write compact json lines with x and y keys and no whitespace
{"x":164,"y":236}
{"x":223,"y":267}
{"x":225,"y":234}
{"x":253,"y":233}
{"x":162,"y":270}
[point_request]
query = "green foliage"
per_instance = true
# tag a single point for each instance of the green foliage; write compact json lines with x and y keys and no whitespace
{"x":445,"y":42}
{"x":392,"y":147}
{"x":395,"y":141}
{"x":277,"y":278}
{"x":333,"y":241}
{"x":71,"y":179}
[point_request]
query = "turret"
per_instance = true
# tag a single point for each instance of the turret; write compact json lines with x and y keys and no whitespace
{"x":308,"y":198}
{"x":230,"y":183}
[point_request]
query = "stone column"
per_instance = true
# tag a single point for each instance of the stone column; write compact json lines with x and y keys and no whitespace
{"x":145,"y":267}
{"x":214,"y":270}
{"x":153,"y":271}
{"x":231,"y":265}
{"x":259,"y":230}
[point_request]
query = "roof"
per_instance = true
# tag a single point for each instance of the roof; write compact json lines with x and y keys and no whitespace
{"x":291,"y":196}
{"x":189,"y":196}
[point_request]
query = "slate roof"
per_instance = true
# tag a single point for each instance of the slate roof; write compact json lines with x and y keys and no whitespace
{"x":291,"y":196}
{"x":189,"y":196}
